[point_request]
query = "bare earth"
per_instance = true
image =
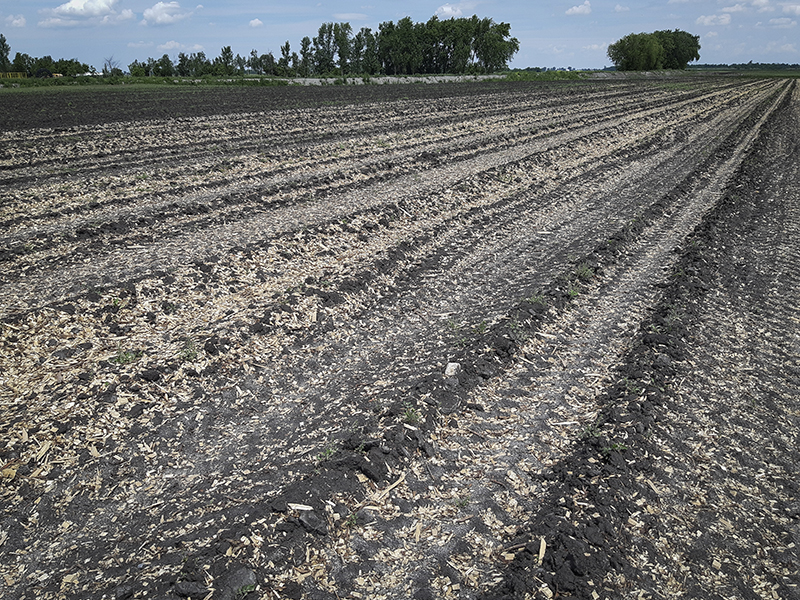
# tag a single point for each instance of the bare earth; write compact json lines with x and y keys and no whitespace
{"x":468,"y":340}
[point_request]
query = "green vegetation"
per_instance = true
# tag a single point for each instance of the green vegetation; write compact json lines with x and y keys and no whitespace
{"x":539,"y":74}
{"x":411,"y":415}
{"x":125,"y":357}
{"x":326,"y":454}
{"x":453,"y":46}
{"x":404,"y":48}
{"x":655,"y":51}
{"x":189,"y":351}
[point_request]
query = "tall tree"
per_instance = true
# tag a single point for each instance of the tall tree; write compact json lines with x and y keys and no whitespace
{"x":268,"y":64}
{"x":224,"y":62}
{"x":306,"y":57}
{"x":387,"y":47}
{"x":493,"y":45}
{"x":164,"y":67}
{"x":357,"y":46}
{"x":371,"y":62}
{"x":22,"y":63}
{"x":284,"y":62}
{"x":5,"y":50}
{"x":680,"y":48}
{"x":658,"y":50}
{"x":341,"y":41}
{"x":240,"y":62}
{"x":138,"y":69}
{"x":324,"y":50}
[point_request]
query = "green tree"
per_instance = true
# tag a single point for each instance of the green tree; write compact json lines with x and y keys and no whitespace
{"x":5,"y":50}
{"x":285,"y":61}
{"x":458,"y":37}
{"x":341,"y":42}
{"x":240,"y":62}
{"x":184,"y":65}
{"x":493,"y":47}
{"x":223,"y":64}
{"x":268,"y":64}
{"x":387,"y":44}
{"x":254,"y":62}
{"x":357,"y":46}
{"x":22,"y":63}
{"x":370,"y":61}
{"x":680,"y":48}
{"x":409,"y":46}
{"x":324,"y":50}
{"x":306,"y":57}
{"x":138,"y":69}
{"x":658,"y":50}
{"x":637,"y":52}
{"x":164,"y":67}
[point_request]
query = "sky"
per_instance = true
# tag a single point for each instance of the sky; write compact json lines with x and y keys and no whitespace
{"x":561,"y":33}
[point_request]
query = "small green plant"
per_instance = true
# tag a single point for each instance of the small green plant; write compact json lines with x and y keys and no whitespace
{"x":463,"y":502}
{"x":480,"y":328}
{"x":584,"y":272}
{"x":631,"y":387}
{"x":517,"y":330}
{"x":538,"y":299}
{"x":452,"y":325}
{"x":411,"y":415}
{"x":189,"y":351}
{"x":351,"y":521}
{"x":125,"y":357}
{"x":573,"y":292}
{"x":615,"y":447}
{"x":326,"y":454}
{"x":591,"y":431}
{"x":244,"y":590}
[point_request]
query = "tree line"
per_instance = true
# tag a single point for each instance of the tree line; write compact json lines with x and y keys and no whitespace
{"x":750,"y":66}
{"x":44,"y":66}
{"x":654,"y":51}
{"x":463,"y":45}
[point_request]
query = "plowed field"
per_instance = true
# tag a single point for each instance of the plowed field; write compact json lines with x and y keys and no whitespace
{"x":451,"y":341}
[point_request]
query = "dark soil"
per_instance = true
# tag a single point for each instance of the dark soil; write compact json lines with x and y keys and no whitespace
{"x":477,"y":341}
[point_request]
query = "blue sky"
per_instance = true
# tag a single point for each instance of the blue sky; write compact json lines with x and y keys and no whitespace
{"x":552,"y":34}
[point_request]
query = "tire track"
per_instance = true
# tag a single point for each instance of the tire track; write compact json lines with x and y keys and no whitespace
{"x":342,"y":391}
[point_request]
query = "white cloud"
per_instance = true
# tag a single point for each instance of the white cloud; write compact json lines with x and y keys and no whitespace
{"x":84,"y":12}
{"x":581,"y":9}
{"x":763,"y":5}
{"x":781,"y":48}
{"x":677,"y":1}
{"x":447,"y":11}
{"x":170,"y":46}
{"x":782,"y":23}
{"x":350,"y":17}
{"x":792,"y":9}
{"x":16,"y":20}
{"x":164,"y":13}
{"x":619,"y":8}
{"x":256,"y":23}
{"x":596,"y":47}
{"x":140,"y":44}
{"x":86,"y":8}
{"x":734,"y":8}
{"x":714,"y":20}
